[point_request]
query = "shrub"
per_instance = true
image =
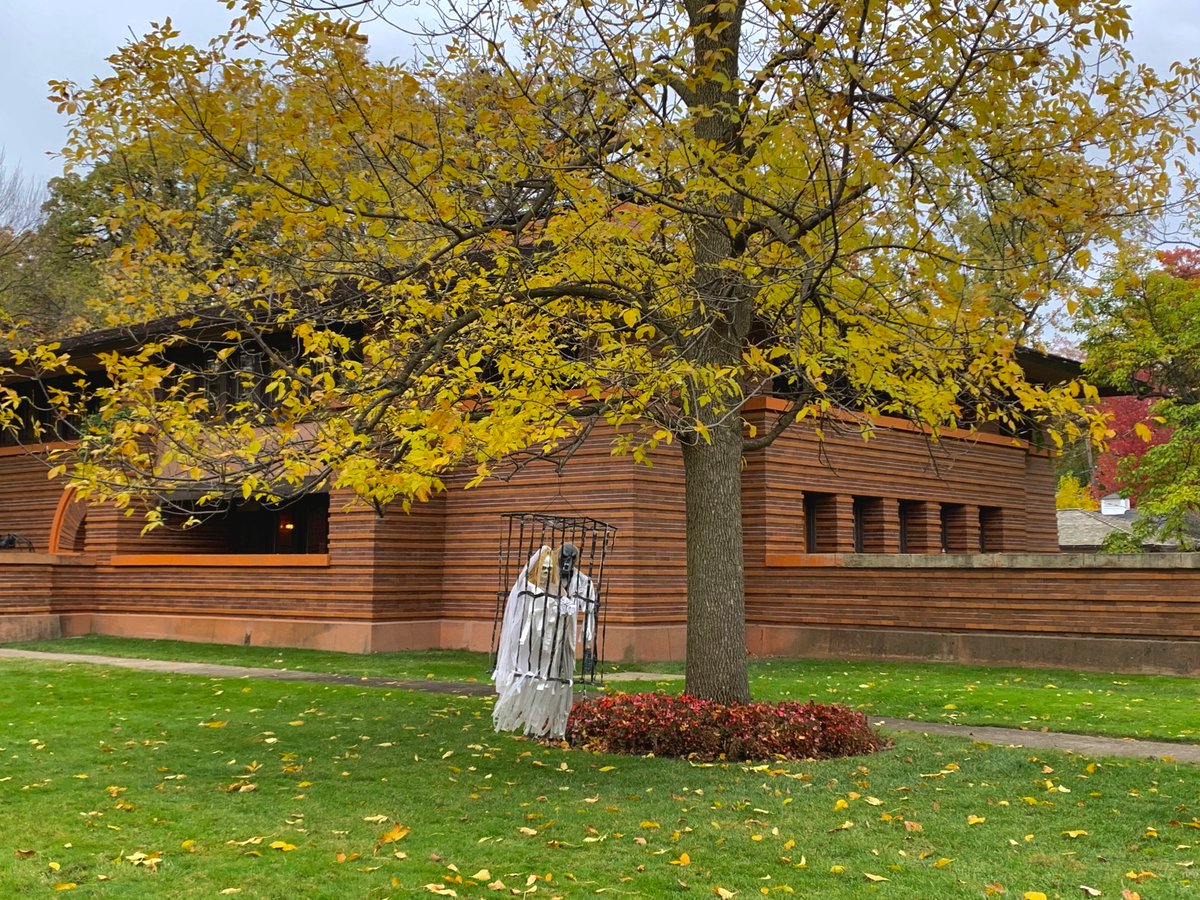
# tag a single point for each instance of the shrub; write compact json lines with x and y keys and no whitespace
{"x":669,"y":725}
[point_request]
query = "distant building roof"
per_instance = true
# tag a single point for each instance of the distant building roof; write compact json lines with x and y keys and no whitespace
{"x":1084,"y":530}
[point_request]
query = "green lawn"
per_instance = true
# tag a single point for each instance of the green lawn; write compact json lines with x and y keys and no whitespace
{"x":1148,"y":706}
{"x":127,"y":784}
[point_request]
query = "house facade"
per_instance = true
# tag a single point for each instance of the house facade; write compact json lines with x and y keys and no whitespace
{"x":884,"y":544}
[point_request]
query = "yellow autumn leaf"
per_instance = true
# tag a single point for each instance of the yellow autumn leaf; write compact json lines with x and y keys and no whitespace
{"x":723,"y":893}
{"x":608,"y":768}
{"x":942,"y":863}
{"x":651,"y":825}
{"x":684,"y":860}
{"x":396,"y":833}
{"x":871,"y":877}
{"x":441,"y":890}
{"x":65,"y":886}
{"x":282,"y":845}
{"x":482,"y":875}
{"x":841,"y":804}
{"x":976,"y":820}
{"x":1142,"y":430}
{"x":213,"y":724}
{"x":1034,"y":895}
{"x":1075,"y":833}
{"x":527,"y":831}
{"x":837,"y":870}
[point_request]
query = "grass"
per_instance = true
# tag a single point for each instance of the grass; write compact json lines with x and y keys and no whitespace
{"x":1146,"y":706}
{"x":104,"y":770}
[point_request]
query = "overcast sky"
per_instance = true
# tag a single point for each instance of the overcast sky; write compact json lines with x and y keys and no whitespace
{"x":69,"y":39}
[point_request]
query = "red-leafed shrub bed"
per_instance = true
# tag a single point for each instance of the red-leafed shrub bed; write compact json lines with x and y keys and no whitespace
{"x":669,"y":725}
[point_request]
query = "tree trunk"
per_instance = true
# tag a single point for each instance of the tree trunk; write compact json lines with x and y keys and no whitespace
{"x":716,"y":628}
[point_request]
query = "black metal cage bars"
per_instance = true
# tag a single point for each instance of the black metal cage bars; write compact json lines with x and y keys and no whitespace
{"x":565,"y":588}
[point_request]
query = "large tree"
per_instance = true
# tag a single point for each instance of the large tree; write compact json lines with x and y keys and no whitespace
{"x":603,"y":211}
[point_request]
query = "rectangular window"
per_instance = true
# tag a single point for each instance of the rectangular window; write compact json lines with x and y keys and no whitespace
{"x":906,"y":514}
{"x":296,"y":526}
{"x":810,"y":523}
{"x":859,"y":510}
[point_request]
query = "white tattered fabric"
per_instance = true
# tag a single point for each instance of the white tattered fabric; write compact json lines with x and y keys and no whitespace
{"x":535,"y":661}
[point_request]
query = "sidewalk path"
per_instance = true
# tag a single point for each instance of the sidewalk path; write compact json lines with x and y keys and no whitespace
{"x":1087,"y":745}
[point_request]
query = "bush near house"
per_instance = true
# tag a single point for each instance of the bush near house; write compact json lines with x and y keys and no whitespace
{"x":684,"y":726}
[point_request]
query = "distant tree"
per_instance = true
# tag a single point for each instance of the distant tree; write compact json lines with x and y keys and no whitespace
{"x":581,"y":212}
{"x":1143,"y":335}
{"x":1074,"y":493}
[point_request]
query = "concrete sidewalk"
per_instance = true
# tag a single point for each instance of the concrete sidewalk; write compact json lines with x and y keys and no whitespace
{"x":1086,"y":745}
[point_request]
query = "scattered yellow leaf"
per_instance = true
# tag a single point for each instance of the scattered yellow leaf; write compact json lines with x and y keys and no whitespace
{"x":976,"y":820}
{"x":213,"y":724}
{"x":1075,"y":833}
{"x":396,"y":833}
{"x":942,"y":863}
{"x":871,"y":877}
{"x":684,"y":860}
{"x":1034,"y":895}
{"x":65,"y":886}
{"x":282,"y":845}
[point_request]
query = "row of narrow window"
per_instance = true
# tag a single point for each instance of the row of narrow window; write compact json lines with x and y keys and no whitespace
{"x":952,"y":532}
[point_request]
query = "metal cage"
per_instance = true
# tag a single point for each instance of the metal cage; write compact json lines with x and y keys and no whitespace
{"x":527,"y":538}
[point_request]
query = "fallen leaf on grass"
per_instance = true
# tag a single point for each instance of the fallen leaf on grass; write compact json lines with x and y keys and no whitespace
{"x":282,"y":845}
{"x":1090,"y":891}
{"x":213,"y":724}
{"x":375,"y":820}
{"x":528,"y":832}
{"x":65,"y":886}
{"x":1033,"y":895}
{"x":871,"y":877}
{"x":396,"y":833}
{"x":684,"y":860}
{"x":232,"y":891}
{"x":24,"y":854}
{"x":724,"y":894}
{"x":441,"y":890}
{"x":1075,"y":833}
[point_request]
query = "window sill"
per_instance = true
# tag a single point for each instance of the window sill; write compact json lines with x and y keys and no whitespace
{"x":270,"y":560}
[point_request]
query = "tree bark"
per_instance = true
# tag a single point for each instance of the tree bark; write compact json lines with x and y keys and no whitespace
{"x":716,"y":630}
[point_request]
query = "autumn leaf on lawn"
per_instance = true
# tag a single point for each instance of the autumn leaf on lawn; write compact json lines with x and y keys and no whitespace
{"x":24,"y":854}
{"x":282,"y":845}
{"x":684,"y":860}
{"x":1090,"y":891}
{"x":441,"y":889}
{"x":1033,"y":895}
{"x":993,"y":889}
{"x":913,"y":826}
{"x":976,"y":820}
{"x":213,"y":724}
{"x":149,"y":860}
{"x":723,"y":893}
{"x":942,"y":863}
{"x":1075,"y":833}
{"x":65,"y":886}
{"x":527,"y":831}
{"x":871,"y":877}
{"x":396,"y":833}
